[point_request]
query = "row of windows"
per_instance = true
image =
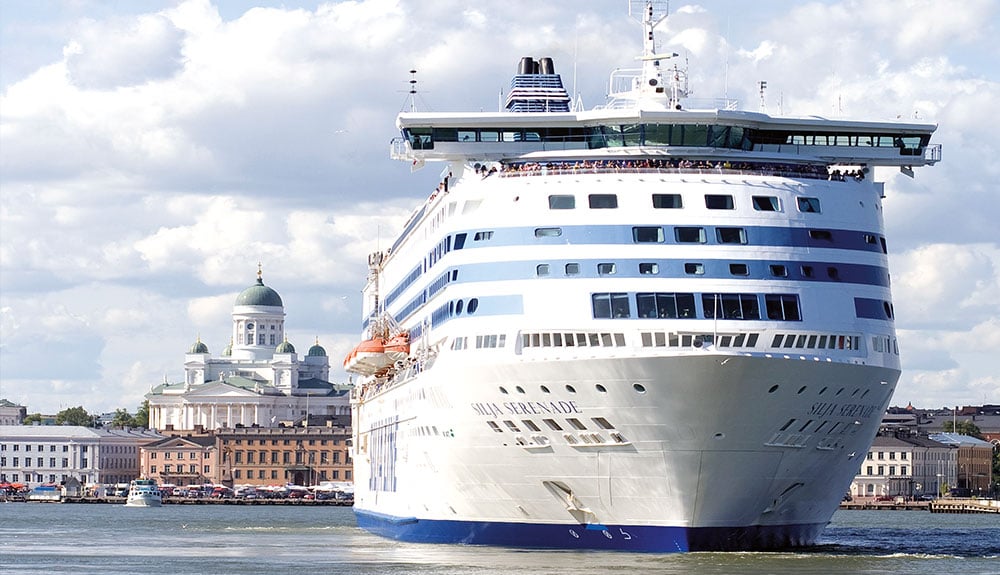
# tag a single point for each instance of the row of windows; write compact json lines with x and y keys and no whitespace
{"x":207,"y":469}
{"x":179,"y":454}
{"x":816,"y":341}
{"x":687,"y":135}
{"x":482,"y":341}
{"x":572,"y":339}
{"x":892,"y":455}
{"x":39,"y":462}
{"x":38,"y":448}
{"x":676,"y":202}
{"x":881,"y":470}
{"x":286,"y":441}
{"x":675,"y":339}
{"x":333,"y":475}
{"x":742,"y":306}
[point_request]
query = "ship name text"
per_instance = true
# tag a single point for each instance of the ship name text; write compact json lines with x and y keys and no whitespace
{"x":843,"y":410}
{"x":490,"y":409}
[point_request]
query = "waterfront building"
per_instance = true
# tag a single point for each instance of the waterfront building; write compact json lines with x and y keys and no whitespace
{"x":181,"y":460}
{"x":905,"y":465}
{"x":37,"y":454}
{"x":259,"y":380}
{"x":11,"y":413}
{"x":973,"y":460}
{"x":302,"y":455}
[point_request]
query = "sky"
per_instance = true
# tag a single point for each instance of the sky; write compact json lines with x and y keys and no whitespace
{"x":153,"y":152}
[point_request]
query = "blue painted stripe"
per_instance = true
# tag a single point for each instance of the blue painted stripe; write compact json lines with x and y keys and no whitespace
{"x":643,"y":538}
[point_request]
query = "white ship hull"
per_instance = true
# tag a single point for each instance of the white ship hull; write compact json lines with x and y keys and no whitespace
{"x":683,"y":468}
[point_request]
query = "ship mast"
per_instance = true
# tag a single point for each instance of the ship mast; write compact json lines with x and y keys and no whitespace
{"x":649,"y":85}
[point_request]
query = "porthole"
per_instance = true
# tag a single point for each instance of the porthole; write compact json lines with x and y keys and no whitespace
{"x":601,"y":388}
{"x":639,"y":388}
{"x":570,"y":389}
{"x":473,"y":305}
{"x":503,"y":390}
{"x":459,"y":305}
{"x":519,"y":389}
{"x":801,"y":389}
{"x":822,"y":391}
{"x":545,"y":389}
{"x":773,"y":389}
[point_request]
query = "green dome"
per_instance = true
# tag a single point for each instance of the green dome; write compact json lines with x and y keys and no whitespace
{"x":317,"y":351}
{"x":198,"y":347}
{"x":228,"y":352}
{"x":284,"y":347}
{"x":259,"y":294}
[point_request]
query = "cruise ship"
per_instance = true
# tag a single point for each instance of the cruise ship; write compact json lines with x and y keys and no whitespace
{"x":660,"y":325}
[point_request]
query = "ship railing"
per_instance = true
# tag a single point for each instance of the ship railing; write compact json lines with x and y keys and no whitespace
{"x":932,"y":153}
{"x":399,"y":149}
{"x":543,"y":171}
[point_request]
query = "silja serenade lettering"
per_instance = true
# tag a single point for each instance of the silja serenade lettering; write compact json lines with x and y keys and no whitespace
{"x":491,"y":409}
{"x":824,"y":409}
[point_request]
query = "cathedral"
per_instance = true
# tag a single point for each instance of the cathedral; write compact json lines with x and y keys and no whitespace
{"x":258,"y":381}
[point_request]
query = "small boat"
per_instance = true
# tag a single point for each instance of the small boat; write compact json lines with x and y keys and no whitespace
{"x":143,"y":493}
{"x":398,"y":347}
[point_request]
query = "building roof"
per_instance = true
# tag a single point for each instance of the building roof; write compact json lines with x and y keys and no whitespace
{"x":959,"y":440}
{"x":42,"y":432}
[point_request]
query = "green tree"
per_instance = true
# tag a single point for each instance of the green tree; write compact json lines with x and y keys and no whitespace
{"x":75,"y":416}
{"x":964,"y":427}
{"x":33,"y":419}
{"x":122,"y":418}
{"x":141,"y":418}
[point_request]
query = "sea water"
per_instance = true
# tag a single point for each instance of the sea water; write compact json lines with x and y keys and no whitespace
{"x":52,"y":538}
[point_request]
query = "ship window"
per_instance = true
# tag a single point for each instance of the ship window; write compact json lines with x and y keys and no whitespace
{"x":690,"y":235}
{"x":807,"y":271}
{"x":619,"y":339}
{"x":572,"y":269}
{"x":606,"y":269}
{"x":530,"y":425}
{"x":809,"y":205}
{"x":570,"y":388}
{"x":459,"y":306}
{"x":667,"y":201}
{"x":778,"y":270}
{"x":833,"y":272}
{"x":489,"y":136}
{"x":594,"y":339}
{"x":473,"y":305}
{"x":739,"y":269}
{"x":511,"y":426}
{"x":647,"y":234}
{"x":825,"y":235}
{"x":581,"y":340}
{"x":602,"y":423}
{"x":562,"y":202}
{"x":548,"y":232}
{"x":576,"y":423}
{"x":639,"y":388}
{"x":765,"y":203}
{"x":466,"y":135}
{"x":731,"y":306}
{"x":601,"y":388}
{"x":542,"y":270}
{"x":608,"y":305}
{"x":493,"y":425}
{"x":870,"y":239}
{"x":719,"y":202}
{"x":731,"y":235}
{"x":783,"y":307}
{"x":603,"y":201}
{"x":544,"y":389}
{"x":553,"y":425}
{"x":480,"y":236}
{"x":649,"y":268}
{"x":460,"y":241}
{"x":694,"y":269}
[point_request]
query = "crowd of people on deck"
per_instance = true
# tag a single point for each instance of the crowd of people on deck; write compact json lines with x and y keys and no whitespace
{"x":675,"y":165}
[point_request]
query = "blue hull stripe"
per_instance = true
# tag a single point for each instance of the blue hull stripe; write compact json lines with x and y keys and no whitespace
{"x":644,"y":538}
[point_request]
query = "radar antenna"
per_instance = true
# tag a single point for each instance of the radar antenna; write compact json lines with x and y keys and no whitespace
{"x":650,"y":84}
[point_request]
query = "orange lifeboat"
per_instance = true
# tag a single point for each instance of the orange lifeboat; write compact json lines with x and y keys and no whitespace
{"x":368,"y":357}
{"x":398,"y":346}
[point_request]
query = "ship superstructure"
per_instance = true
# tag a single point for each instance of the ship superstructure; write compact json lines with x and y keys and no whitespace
{"x":648,"y":326}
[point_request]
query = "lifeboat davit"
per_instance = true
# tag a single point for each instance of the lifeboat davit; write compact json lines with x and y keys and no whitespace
{"x":368,"y":357}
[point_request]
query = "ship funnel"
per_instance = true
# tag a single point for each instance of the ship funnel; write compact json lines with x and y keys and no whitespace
{"x":546,"y":66}
{"x":527,"y":66}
